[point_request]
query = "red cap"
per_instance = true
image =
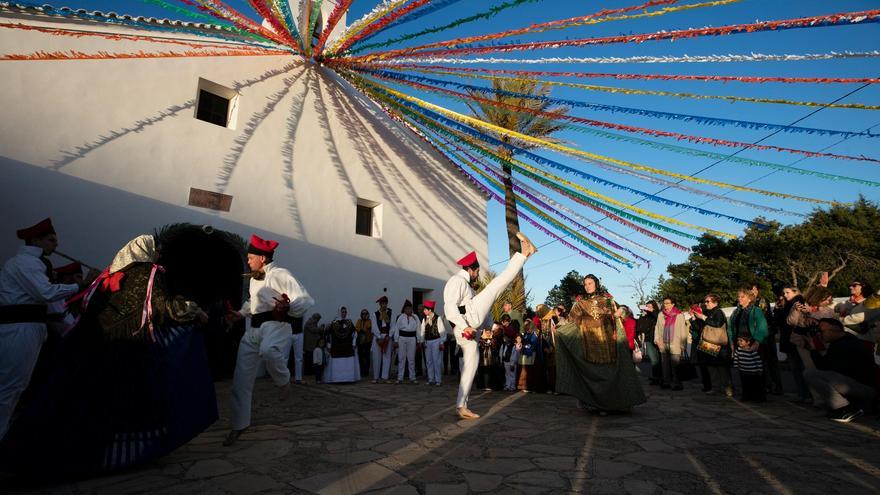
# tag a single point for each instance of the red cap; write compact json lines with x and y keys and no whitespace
{"x":262,"y":247}
{"x":39,"y":230}
{"x":468,"y":260}
{"x":70,"y":269}
{"x":430,"y":304}
{"x":382,"y":299}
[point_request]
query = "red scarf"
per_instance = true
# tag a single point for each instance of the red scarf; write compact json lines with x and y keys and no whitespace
{"x":669,"y":324}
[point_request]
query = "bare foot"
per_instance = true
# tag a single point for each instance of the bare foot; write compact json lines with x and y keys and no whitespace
{"x":526,"y":246}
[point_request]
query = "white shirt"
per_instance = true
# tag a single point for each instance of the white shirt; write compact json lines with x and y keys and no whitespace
{"x":24,"y":280}
{"x":457,"y":293}
{"x":441,"y":327}
{"x":407,"y":324}
{"x":277,"y":281}
{"x":318,"y":356}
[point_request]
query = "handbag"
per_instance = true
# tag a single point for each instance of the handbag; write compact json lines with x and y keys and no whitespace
{"x":709,"y":348}
{"x":715,"y":335}
{"x":637,"y":353}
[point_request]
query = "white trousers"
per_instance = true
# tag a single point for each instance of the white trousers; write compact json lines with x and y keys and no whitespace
{"x":381,"y":361}
{"x":476,"y":311}
{"x":406,"y":351}
{"x":297,"y":355}
{"x":268,"y":342}
{"x":20,"y":345}
{"x":433,"y":360}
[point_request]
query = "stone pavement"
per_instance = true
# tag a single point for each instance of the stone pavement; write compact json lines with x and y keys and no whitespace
{"x":404,"y":439}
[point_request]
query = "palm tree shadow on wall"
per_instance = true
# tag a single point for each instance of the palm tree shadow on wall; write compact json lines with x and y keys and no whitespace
{"x":70,"y":156}
{"x":297,"y":106}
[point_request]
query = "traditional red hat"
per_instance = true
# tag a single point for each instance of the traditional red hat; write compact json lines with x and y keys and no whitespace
{"x":468,"y":260}
{"x":382,"y":299}
{"x":39,"y":230}
{"x":430,"y":304}
{"x":260,"y":246}
{"x":70,"y":269}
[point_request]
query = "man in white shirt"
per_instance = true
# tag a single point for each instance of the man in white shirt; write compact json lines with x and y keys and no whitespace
{"x":276,"y":299}
{"x":433,"y":332}
{"x":405,"y":334}
{"x":25,"y":293}
{"x":467,"y":311}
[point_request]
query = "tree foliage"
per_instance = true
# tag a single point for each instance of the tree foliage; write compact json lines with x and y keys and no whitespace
{"x":571,"y":286}
{"x":843,"y":240}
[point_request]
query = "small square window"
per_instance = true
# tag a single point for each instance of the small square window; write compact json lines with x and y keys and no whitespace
{"x":368,"y":218}
{"x":213,"y":108}
{"x":216,"y":104}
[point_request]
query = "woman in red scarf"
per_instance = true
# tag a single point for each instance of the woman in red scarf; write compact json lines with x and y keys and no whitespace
{"x":670,"y":336}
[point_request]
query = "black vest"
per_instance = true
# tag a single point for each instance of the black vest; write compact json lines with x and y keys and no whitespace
{"x":432,"y":331}
{"x":383,"y":328}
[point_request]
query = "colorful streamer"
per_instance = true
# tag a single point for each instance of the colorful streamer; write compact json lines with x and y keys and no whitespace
{"x":610,"y":212}
{"x":437,"y":69}
{"x":640,"y":59}
{"x":631,"y":91}
{"x":313,"y":21}
{"x":432,"y":7}
{"x":180,"y":10}
{"x":443,"y":114}
{"x":77,"y":55}
{"x":492,"y":12}
{"x":222,"y":11}
{"x":263,"y":8}
{"x":646,"y":131}
{"x":366,"y":20}
{"x":381,"y":23}
{"x":427,"y":109}
{"x":335,"y":15}
{"x":606,"y":15}
{"x":840,"y":19}
{"x":127,"y":37}
{"x":699,"y":119}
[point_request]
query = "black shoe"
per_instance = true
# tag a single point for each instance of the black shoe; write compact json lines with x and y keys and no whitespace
{"x":653,"y":381}
{"x":232,"y":437}
{"x":677,"y":386}
{"x":665,"y":386}
{"x":845,"y":414}
{"x":706,"y":389}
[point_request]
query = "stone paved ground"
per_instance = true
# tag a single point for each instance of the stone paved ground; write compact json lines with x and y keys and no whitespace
{"x":404,"y":439}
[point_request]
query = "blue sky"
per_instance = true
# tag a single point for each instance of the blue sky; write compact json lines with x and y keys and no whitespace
{"x":554,"y":260}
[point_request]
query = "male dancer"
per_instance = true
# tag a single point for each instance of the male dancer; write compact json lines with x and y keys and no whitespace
{"x":276,"y":299}
{"x":466,"y":311}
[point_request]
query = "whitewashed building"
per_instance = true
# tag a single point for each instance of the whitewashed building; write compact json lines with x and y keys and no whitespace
{"x":114,"y":148}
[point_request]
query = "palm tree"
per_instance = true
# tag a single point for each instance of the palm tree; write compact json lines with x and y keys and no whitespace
{"x":524,"y":122}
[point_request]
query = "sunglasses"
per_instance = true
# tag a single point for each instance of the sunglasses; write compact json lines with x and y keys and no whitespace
{"x":707,"y":301}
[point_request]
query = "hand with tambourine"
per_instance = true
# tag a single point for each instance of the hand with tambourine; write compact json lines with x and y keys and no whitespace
{"x":468,"y":333}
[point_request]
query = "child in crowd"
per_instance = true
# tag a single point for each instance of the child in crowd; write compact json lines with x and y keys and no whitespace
{"x":318,"y":359}
{"x":509,"y":354}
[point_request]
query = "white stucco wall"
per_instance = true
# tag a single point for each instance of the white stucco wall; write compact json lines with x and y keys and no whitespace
{"x":110,"y":148}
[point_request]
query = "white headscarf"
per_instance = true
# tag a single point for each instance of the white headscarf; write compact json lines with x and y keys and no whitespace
{"x":141,"y":249}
